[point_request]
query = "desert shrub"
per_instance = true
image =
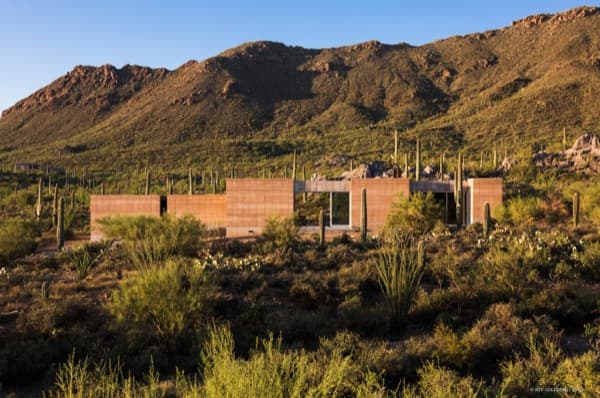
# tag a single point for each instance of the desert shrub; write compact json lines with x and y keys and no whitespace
{"x":521,"y":210}
{"x":415,"y":215}
{"x":152,"y":240}
{"x":546,"y":366}
{"x":589,"y":198}
{"x":438,"y":382}
{"x":82,"y":261}
{"x":590,"y":260}
{"x":399,"y":266}
{"x":17,"y":239}
{"x":274,"y":373}
{"x":279,"y":234}
{"x":166,"y":300}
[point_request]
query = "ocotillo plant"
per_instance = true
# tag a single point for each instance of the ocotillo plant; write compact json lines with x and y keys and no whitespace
{"x":486,"y":219}
{"x":54,"y":205}
{"x":60,"y":224}
{"x":190,"y":182}
{"x":576,"y":209}
{"x":321,"y":228}
{"x":147,"y":189}
{"x":363,"y":215}
{"x":38,"y":205}
{"x":418,"y":161}
{"x":458,"y":191}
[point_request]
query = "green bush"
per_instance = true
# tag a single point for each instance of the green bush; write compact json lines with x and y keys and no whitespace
{"x":280,"y":233}
{"x":521,"y":210}
{"x":270,"y":372}
{"x":415,"y":215}
{"x":166,"y":300}
{"x":546,"y":366}
{"x":17,"y":239}
{"x":438,"y":382}
{"x":152,"y":240}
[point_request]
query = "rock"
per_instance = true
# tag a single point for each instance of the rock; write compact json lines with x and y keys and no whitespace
{"x":508,"y":163}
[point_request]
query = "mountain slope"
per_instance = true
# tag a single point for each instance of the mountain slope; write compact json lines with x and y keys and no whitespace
{"x":522,"y":82}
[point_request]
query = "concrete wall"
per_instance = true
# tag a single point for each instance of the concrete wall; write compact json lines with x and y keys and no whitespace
{"x":381,"y":193}
{"x":102,"y":206}
{"x":208,"y":209}
{"x":483,"y":190}
{"x":252,"y":201}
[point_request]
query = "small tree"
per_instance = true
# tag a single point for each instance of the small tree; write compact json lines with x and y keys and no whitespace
{"x":414,"y":215}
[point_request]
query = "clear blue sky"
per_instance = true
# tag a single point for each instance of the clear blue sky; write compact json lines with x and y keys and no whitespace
{"x":41,"y":40}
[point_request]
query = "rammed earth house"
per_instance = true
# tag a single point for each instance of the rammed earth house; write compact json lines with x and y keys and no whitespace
{"x":249,"y":202}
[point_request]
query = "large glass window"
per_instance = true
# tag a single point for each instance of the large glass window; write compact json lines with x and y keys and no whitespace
{"x":340,"y":208}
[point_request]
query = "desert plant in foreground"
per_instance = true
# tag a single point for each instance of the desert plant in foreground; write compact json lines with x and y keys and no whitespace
{"x":272,"y":372}
{"x":166,"y":300}
{"x":82,"y":261}
{"x":400,"y":266}
{"x":415,"y":215}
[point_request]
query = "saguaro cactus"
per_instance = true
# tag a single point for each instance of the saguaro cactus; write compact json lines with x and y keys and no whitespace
{"x":441,"y":173}
{"x":294,"y":166}
{"x":54,"y":205}
{"x":45,"y":290}
{"x":576,"y":209}
{"x":363,"y":215}
{"x":564,"y":139}
{"x":486,"y":219}
{"x":396,"y":147}
{"x":458,"y":191}
{"x":321,"y":228}
{"x":190,"y":182}
{"x":102,"y":189}
{"x":304,"y":179}
{"x":38,"y":205}
{"x":418,"y":161}
{"x":147,"y":189}
{"x":60,"y":224}
{"x":406,"y":165}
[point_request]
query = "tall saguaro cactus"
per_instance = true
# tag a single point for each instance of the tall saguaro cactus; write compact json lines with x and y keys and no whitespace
{"x":576,"y":209}
{"x":486,"y":219}
{"x":38,"y":205}
{"x":418,"y":161}
{"x":294,"y":166}
{"x":54,"y":205}
{"x":60,"y":224}
{"x":147,"y":189}
{"x":190,"y":182}
{"x":363,"y":214}
{"x":396,"y":148}
{"x":458,"y":191}
{"x":321,"y":228}
{"x":564,"y":139}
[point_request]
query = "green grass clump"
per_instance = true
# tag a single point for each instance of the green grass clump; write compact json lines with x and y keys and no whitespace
{"x":82,"y":261}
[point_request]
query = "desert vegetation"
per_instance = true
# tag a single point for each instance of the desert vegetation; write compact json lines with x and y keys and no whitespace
{"x":165,"y":307}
